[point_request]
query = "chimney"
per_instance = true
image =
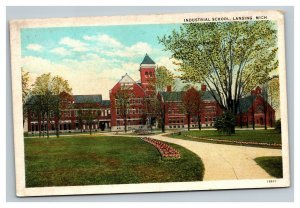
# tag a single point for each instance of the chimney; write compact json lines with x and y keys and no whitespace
{"x":203,"y":88}
{"x":256,"y":91}
{"x":169,"y":88}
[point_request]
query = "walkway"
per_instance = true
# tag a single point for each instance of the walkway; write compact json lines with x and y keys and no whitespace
{"x":223,"y":162}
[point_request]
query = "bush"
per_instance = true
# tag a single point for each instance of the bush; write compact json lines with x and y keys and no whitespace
{"x":278,"y":125}
{"x":225,"y":123}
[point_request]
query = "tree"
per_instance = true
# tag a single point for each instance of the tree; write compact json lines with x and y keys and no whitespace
{"x":154,"y":107}
{"x":253,"y":111}
{"x":225,"y":122}
{"x":46,"y":90}
{"x":231,"y":58}
{"x":25,"y":93}
{"x":123,"y":96}
{"x":265,"y":104}
{"x":163,"y":78}
{"x":87,"y":114}
{"x":270,"y":94}
{"x":274,"y":95}
{"x":191,"y":104}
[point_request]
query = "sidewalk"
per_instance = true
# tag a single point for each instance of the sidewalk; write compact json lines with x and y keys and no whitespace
{"x":223,"y":162}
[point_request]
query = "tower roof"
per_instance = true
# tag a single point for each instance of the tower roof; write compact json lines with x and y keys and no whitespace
{"x":147,"y":60}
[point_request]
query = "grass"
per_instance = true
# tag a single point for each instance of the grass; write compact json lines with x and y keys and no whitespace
{"x":93,"y":160}
{"x":273,"y":165}
{"x":261,"y":136}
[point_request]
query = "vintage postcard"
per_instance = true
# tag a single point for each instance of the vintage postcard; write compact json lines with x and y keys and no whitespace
{"x":162,"y":102}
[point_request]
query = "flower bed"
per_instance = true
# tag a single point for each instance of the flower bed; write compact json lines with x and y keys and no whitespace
{"x":237,"y":142}
{"x":165,"y":150}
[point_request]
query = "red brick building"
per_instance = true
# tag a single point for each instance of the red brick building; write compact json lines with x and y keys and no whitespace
{"x":254,"y":108}
{"x":104,"y":114}
{"x":73,"y":110}
{"x":176,"y":119}
{"x":135,"y":114}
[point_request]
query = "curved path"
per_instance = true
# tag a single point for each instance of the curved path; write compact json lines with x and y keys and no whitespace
{"x":223,"y":162}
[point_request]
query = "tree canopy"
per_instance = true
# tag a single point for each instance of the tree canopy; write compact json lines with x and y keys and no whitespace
{"x":46,"y":98}
{"x":231,"y":58}
{"x":191,"y":103}
{"x":163,"y":78}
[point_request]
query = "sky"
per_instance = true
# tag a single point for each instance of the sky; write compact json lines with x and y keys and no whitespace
{"x":93,"y":58}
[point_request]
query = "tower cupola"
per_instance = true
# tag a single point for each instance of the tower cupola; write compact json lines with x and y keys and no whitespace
{"x":147,"y":71}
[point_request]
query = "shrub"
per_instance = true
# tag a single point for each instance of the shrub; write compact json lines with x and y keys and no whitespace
{"x":225,"y":123}
{"x":278,"y":126}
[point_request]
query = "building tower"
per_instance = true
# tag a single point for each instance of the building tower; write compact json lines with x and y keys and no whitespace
{"x":147,"y":73}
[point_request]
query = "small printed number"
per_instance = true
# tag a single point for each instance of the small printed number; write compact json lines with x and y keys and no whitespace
{"x":271,"y":181}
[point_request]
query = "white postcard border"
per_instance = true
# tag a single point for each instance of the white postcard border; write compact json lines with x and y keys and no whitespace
{"x":17,"y":25}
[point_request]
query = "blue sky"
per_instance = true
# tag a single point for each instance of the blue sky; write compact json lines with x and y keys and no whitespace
{"x":93,"y":58}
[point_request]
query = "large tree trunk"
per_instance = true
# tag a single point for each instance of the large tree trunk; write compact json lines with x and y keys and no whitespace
{"x":48,"y":120}
{"x":253,"y":119}
{"x":163,"y":118}
{"x":247,"y":120}
{"x":44,"y":125}
{"x":39,"y":124}
{"x":265,"y":120}
{"x":90,"y":127}
{"x":125,"y":123}
{"x":189,"y":121}
{"x":57,"y":127}
{"x":199,"y":121}
{"x":151,"y":124}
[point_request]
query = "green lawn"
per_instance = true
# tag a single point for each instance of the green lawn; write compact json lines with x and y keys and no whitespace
{"x":273,"y":165}
{"x":261,"y":136}
{"x":92,"y":160}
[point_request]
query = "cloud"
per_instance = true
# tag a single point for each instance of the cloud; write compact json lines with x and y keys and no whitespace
{"x":138,"y":49}
{"x":93,"y":75}
{"x":35,"y":47}
{"x":110,"y":46}
{"x":75,"y":45}
{"x":104,"y":39}
{"x":167,"y":62}
{"x":60,"y":51}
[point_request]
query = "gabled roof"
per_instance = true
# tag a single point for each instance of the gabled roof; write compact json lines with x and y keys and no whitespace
{"x":126,"y":79}
{"x":207,"y":96}
{"x":87,"y":98}
{"x":171,"y":96}
{"x":246,"y":103}
{"x":177,"y":96}
{"x":147,"y":60}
